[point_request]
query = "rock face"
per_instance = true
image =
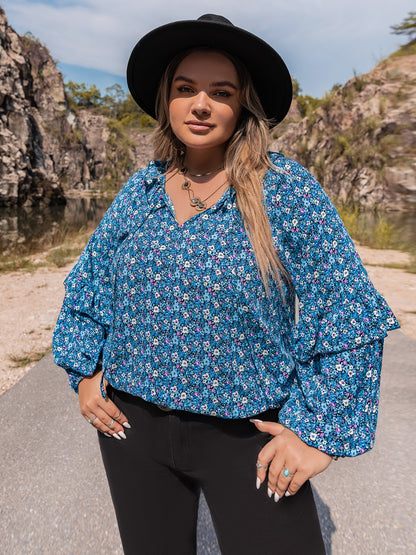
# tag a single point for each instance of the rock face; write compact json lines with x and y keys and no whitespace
{"x":361,"y":142}
{"x":46,"y":151}
{"x":26,"y":109}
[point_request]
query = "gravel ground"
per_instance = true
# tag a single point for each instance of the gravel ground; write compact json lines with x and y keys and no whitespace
{"x":55,"y":497}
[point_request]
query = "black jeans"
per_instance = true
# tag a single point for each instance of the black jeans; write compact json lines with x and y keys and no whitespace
{"x":157,"y":473}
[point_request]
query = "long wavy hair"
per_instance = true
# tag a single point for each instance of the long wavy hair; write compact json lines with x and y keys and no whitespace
{"x":246,"y":162}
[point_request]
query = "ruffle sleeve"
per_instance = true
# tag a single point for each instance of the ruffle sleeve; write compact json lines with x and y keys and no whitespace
{"x":86,"y":314}
{"x":338,"y":340}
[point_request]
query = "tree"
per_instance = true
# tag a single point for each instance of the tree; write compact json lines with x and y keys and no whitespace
{"x":296,"y":89}
{"x":406,"y":27}
{"x":114,"y":99}
{"x":82,"y":95}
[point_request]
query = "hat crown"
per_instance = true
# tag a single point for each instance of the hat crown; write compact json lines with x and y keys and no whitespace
{"x":215,"y":18}
{"x":154,"y":51}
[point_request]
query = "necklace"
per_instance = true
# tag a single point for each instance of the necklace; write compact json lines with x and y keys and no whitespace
{"x":194,"y":201}
{"x":184,"y":170}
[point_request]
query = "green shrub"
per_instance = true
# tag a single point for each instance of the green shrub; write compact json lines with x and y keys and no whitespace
{"x":375,"y":232}
{"x":307,"y":104}
{"x":371,"y":124}
{"x":63,"y":255}
{"x":382,"y":106}
{"x":348,"y":94}
{"x":381,"y":237}
{"x":147,"y":122}
{"x":327,"y":101}
{"x":319,"y":169}
{"x":359,"y":82}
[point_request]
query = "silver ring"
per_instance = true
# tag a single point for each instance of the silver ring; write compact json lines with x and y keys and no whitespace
{"x":111,"y":423}
{"x":287,"y":473}
{"x":91,"y":420}
{"x":118,"y":416}
{"x":259,"y":465}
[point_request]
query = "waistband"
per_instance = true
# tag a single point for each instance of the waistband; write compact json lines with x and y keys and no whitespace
{"x":271,"y":414}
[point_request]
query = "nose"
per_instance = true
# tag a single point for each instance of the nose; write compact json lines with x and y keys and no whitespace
{"x":201,"y":103}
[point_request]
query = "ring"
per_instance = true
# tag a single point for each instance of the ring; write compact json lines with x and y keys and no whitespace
{"x":287,"y":473}
{"x":111,"y":423}
{"x":259,"y":465}
{"x":91,"y":420}
{"x":118,"y":416}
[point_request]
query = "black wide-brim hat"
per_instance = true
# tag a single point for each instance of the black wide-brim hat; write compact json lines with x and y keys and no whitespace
{"x":155,"y":50}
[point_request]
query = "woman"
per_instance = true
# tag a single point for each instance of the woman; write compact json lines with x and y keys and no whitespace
{"x":178,"y":325}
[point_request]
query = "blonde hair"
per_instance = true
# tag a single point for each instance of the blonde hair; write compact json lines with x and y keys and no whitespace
{"x":246,"y":162}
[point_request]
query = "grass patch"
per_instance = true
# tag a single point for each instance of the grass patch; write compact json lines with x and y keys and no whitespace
{"x":375,"y":231}
{"x":360,"y":82}
{"x":380,"y":235}
{"x":66,"y":247}
{"x":16,"y":262}
{"x":23,"y":360}
{"x":410,"y":268}
{"x":61,"y":256}
{"x":406,"y":50}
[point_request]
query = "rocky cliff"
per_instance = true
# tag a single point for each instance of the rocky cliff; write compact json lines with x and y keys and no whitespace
{"x":47,"y":151}
{"x":361,"y":141}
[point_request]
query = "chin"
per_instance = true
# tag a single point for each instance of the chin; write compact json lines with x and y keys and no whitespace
{"x":202,"y":142}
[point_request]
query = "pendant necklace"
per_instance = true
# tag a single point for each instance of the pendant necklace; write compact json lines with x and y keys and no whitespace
{"x":196,"y":202}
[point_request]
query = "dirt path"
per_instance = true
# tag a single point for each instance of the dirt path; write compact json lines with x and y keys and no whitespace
{"x":31,"y":302}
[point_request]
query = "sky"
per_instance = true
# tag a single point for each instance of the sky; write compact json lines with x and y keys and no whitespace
{"x":323,"y":42}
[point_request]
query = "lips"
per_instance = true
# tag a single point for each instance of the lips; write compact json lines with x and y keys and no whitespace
{"x":198,"y":125}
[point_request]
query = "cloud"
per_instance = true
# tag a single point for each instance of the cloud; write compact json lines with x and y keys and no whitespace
{"x":317,"y":38}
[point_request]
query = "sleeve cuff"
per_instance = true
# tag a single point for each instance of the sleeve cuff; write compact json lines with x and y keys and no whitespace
{"x":333,"y":402}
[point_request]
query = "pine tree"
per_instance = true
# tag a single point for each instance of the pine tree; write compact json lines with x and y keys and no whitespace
{"x":406,"y":27}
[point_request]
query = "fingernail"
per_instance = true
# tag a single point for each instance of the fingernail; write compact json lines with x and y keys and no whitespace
{"x":258,"y":482}
{"x":126,"y":425}
{"x":108,"y":435}
{"x":276,"y":497}
{"x":287,"y":493}
{"x":255,"y":420}
{"x":122,"y":434}
{"x":116,"y":436}
{"x":269,"y":492}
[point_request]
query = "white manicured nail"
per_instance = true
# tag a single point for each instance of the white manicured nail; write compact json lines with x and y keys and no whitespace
{"x":122,"y":434}
{"x":258,"y":482}
{"x":269,"y":492}
{"x":108,"y":435}
{"x":276,"y":497}
{"x":255,"y":420}
{"x":126,"y":425}
{"x":287,"y":493}
{"x":116,"y":436}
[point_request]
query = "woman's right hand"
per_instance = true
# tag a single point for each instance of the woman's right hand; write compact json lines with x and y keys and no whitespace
{"x":106,"y":416}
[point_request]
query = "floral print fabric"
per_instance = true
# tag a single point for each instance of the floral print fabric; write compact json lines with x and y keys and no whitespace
{"x":178,"y":314}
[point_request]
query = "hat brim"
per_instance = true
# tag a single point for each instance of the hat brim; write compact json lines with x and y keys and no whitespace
{"x":154,"y":51}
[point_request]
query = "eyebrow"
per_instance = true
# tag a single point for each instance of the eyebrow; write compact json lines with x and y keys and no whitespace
{"x":215,"y":84}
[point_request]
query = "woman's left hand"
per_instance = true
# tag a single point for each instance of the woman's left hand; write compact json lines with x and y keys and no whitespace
{"x":286,"y":451}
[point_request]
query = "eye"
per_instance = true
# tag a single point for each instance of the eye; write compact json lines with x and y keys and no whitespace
{"x":224,"y":94}
{"x":185,"y":89}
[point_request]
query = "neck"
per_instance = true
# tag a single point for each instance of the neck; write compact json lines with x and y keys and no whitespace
{"x":200,"y":161}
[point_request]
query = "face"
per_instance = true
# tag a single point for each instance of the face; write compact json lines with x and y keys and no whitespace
{"x":204,"y":101}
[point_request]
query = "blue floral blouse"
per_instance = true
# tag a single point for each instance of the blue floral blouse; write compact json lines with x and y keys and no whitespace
{"x":178,"y":315}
